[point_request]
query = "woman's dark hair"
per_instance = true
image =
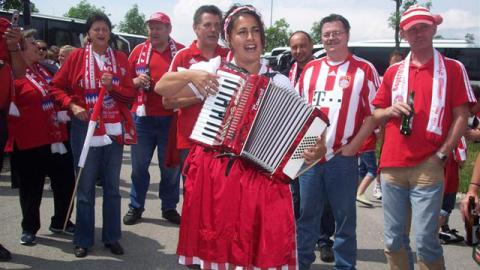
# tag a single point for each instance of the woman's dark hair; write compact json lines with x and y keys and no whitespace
{"x":235,"y":16}
{"x":95,"y":17}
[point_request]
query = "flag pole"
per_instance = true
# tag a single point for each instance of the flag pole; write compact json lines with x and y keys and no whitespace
{"x":86,"y":147}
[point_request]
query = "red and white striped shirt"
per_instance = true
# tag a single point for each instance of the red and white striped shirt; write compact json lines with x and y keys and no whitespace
{"x":343,"y":91}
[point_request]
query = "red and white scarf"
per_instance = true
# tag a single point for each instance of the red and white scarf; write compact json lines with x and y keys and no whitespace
{"x":439,"y":90}
{"x":62,"y":116}
{"x":141,"y":68}
{"x":110,"y":119}
{"x":41,"y":85}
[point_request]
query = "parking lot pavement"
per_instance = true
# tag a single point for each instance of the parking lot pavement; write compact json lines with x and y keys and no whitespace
{"x":151,"y":244}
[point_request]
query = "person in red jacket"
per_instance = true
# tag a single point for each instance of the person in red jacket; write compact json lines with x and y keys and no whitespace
{"x":42,"y":154}
{"x":76,"y":86}
{"x":6,"y":78}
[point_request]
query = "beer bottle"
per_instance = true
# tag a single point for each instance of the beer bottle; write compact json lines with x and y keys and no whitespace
{"x":147,"y":72}
{"x":406,"y":127}
{"x":472,"y":225}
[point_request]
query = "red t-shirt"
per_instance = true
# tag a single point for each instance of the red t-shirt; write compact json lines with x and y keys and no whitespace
{"x":158,"y":65}
{"x":31,"y":129}
{"x":188,"y":116}
{"x":404,"y":151}
{"x":342,"y":91}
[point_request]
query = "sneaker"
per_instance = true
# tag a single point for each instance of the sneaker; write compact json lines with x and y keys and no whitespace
{"x":132,"y":216}
{"x":27,"y":239}
{"x":449,"y":236}
{"x":326,"y":254}
{"x":70,"y":229}
{"x":377,"y":191}
{"x":172,"y":216}
{"x":363,"y":200}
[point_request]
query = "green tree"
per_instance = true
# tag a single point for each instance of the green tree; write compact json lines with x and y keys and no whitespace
{"x":82,"y":10}
{"x":277,"y":35}
{"x":134,"y":22}
{"x":18,"y":5}
{"x":469,"y":38}
{"x":315,"y":33}
{"x":394,"y":19}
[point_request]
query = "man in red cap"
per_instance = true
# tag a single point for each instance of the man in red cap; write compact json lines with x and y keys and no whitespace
{"x":149,"y":61}
{"x":431,"y":92}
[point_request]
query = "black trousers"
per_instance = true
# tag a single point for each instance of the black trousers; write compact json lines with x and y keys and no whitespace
{"x":32,"y":166}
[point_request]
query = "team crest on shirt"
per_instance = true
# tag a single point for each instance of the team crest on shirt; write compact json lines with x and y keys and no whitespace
{"x":398,"y":98}
{"x":108,"y":102}
{"x":344,"y":81}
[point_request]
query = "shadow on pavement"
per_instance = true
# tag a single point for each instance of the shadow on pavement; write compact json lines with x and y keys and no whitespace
{"x":140,"y":253}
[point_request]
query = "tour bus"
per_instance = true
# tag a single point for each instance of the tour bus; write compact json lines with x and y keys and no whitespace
{"x":378,"y":52}
{"x":62,"y":31}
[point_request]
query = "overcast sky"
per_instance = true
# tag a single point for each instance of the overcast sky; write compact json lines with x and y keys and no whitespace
{"x":368,"y":18}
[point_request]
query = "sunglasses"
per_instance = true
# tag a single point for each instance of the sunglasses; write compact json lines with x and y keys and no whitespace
{"x":42,"y":48}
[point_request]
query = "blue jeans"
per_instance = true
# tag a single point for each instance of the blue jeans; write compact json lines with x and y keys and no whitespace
{"x":367,"y":164}
{"x":417,"y":191}
{"x":152,"y":132}
{"x":107,"y":162}
{"x":335,"y":182}
{"x":448,"y":205}
{"x":327,"y":227}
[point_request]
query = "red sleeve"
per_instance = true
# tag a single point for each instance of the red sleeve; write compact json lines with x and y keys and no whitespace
{"x":61,"y":83}
{"x":177,"y":61}
{"x":383,"y":98}
{"x":372,"y":83}
{"x":125,"y":92}
{"x":460,"y":84}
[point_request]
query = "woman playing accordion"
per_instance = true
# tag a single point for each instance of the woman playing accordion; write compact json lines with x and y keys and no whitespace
{"x":233,"y":214}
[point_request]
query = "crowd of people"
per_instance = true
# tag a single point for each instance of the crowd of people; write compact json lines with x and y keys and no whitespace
{"x":233,"y":214}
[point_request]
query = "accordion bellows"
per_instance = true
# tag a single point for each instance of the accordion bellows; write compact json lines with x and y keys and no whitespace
{"x":253,"y":118}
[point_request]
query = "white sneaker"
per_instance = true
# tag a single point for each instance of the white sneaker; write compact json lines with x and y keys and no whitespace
{"x":377,"y":191}
{"x":363,"y":200}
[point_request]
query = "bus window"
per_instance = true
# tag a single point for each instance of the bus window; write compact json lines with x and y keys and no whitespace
{"x":470,"y":58}
{"x":59,"y":37}
{"x":378,"y":56}
{"x":118,"y":43}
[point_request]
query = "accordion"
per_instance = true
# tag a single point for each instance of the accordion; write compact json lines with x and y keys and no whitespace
{"x":253,"y":118}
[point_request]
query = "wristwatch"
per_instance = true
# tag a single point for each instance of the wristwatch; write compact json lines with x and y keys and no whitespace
{"x":441,"y":156}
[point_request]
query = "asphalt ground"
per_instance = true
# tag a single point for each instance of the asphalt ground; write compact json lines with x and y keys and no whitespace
{"x":151,"y":244}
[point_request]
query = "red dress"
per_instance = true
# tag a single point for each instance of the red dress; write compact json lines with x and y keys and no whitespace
{"x":234,"y":216}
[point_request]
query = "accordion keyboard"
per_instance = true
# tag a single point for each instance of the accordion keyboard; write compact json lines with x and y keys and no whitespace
{"x":208,"y":128}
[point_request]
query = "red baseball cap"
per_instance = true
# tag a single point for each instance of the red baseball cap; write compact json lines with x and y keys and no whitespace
{"x":159,"y":17}
{"x":417,"y":14}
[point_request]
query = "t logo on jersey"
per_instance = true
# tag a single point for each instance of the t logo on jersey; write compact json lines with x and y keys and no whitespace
{"x":330,"y":98}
